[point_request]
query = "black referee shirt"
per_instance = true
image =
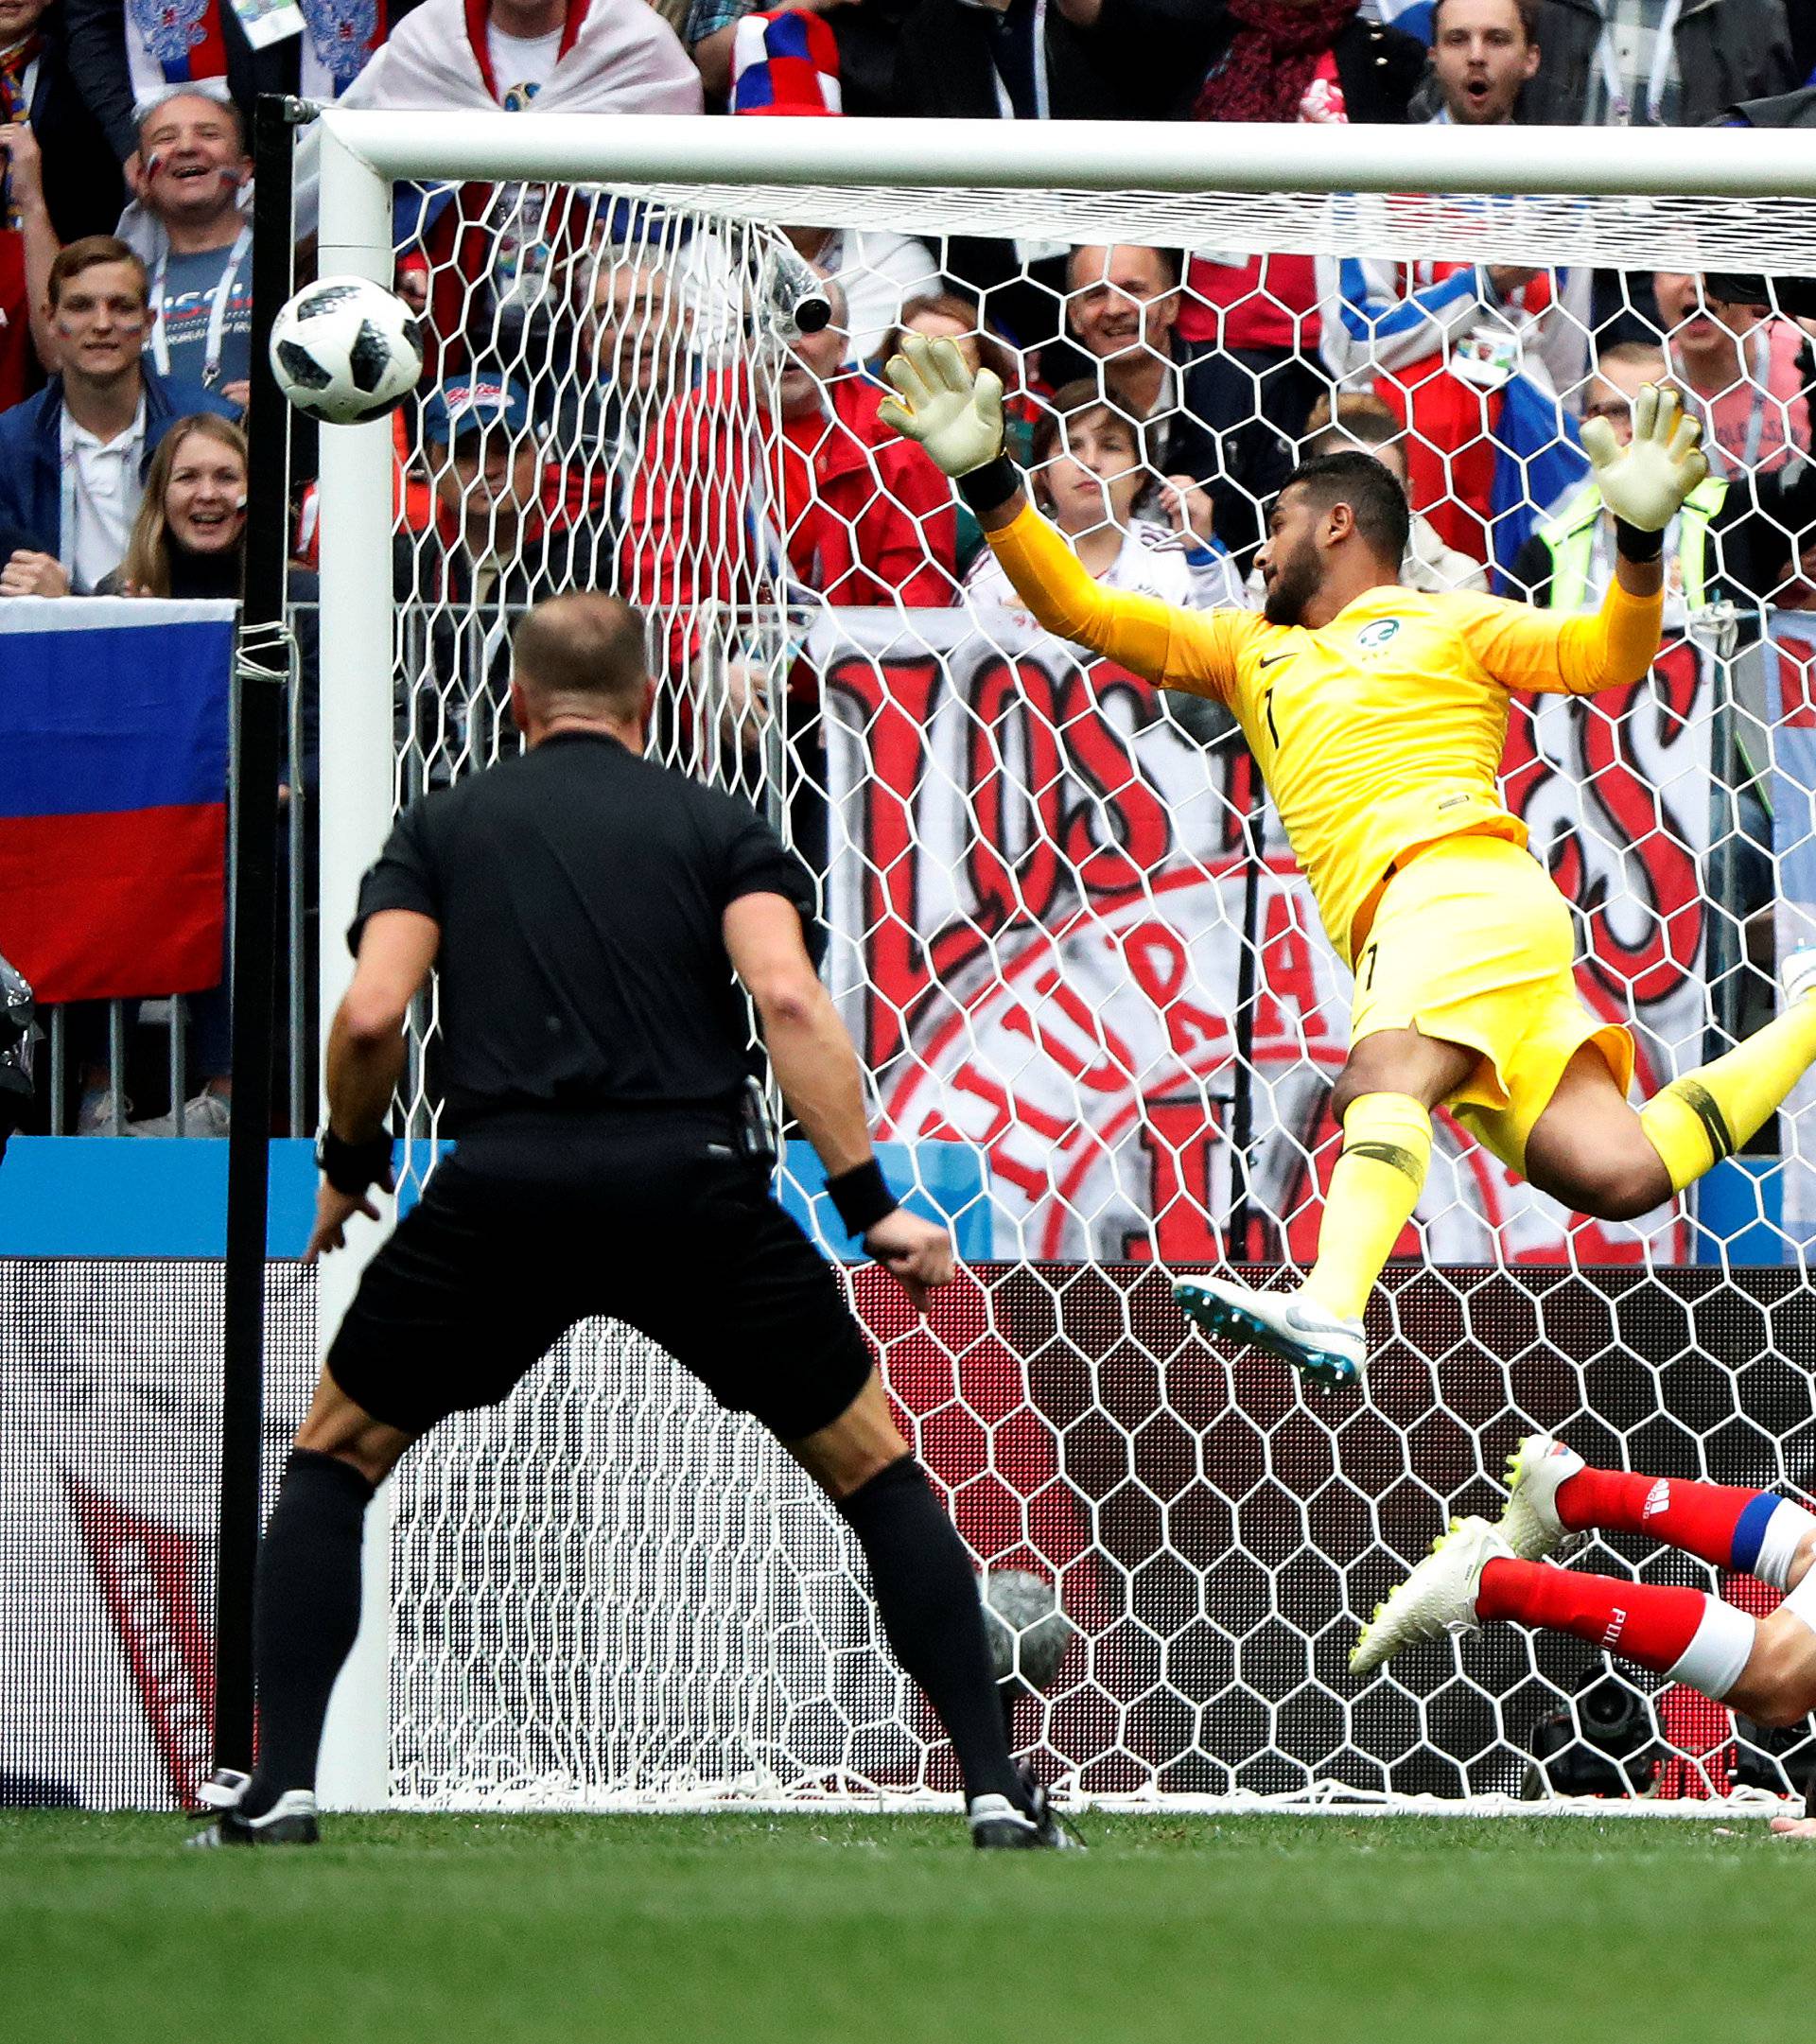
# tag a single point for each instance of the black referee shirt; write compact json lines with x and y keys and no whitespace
{"x":580,"y":891}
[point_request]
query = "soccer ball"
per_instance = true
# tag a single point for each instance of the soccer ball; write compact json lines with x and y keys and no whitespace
{"x":345,"y":349}
{"x":1028,"y":1632}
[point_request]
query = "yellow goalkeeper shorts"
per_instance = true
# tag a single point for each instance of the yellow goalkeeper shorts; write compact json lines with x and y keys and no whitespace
{"x":1473,"y":943}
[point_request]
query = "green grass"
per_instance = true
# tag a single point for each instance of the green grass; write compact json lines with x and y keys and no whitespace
{"x":757,"y":1929}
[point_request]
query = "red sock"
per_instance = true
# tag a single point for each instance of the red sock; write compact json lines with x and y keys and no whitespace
{"x":1702,"y":1519}
{"x":1648,"y":1622}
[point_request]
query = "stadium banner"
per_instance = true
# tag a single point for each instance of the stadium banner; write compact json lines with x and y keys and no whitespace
{"x":1035,"y":893}
{"x":113,"y":795}
{"x":1791,"y":715}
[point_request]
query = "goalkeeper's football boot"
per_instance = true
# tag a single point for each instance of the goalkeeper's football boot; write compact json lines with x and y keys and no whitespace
{"x":1289,"y":1325}
{"x":998,"y":1825}
{"x":1437,"y":1597}
{"x":1529,"y":1523}
{"x":290,"y":1821}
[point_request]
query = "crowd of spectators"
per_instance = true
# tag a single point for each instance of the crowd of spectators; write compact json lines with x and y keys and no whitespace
{"x":587,"y":406}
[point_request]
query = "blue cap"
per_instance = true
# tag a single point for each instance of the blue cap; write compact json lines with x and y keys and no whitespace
{"x":473,"y":405}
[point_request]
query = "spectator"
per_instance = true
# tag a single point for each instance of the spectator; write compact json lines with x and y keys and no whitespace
{"x":191,"y":176}
{"x":1089,"y":476}
{"x":787,"y":64}
{"x":28,"y":249}
{"x":1249,"y":323}
{"x":1368,"y":426}
{"x":1471,"y":358}
{"x":638,"y":336}
{"x":126,"y":55}
{"x":1122,"y":312}
{"x":1740,"y":538}
{"x":855,"y":513}
{"x":1741,"y":372}
{"x":1483,"y":52}
{"x":1606,"y":63}
{"x":495,"y":548}
{"x":494,"y":252}
{"x":189,"y":540}
{"x":37,"y":91}
{"x":87,"y":439}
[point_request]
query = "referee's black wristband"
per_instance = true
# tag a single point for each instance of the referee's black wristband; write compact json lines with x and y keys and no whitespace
{"x":1634,"y":544}
{"x":990,"y":488}
{"x":350,"y":1167}
{"x":862,"y":1197}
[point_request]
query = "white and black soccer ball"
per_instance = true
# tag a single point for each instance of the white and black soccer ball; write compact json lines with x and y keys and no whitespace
{"x":345,"y":349}
{"x":1027,"y":1631}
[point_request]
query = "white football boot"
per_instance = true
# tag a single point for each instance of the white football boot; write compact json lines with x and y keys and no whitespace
{"x":1437,"y":1598}
{"x":1797,"y":974}
{"x":1288,"y":1325}
{"x":290,"y":1821}
{"x":1529,"y":1522}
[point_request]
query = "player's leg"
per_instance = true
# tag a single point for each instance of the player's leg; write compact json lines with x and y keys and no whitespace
{"x":1592,"y":1150}
{"x":927,"y":1598}
{"x":770,"y":1335}
{"x":1763,"y":1667}
{"x":1552,"y":1492}
{"x":306,"y":1607}
{"x":443,"y":1320}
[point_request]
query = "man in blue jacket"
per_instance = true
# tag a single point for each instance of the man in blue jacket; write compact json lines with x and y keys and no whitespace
{"x":73,"y":458}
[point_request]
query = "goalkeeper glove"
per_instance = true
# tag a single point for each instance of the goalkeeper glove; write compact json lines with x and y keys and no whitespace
{"x":955,"y":415}
{"x":1645,"y":482}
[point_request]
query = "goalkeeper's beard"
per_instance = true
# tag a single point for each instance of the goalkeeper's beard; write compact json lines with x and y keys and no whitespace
{"x":1295,"y":581}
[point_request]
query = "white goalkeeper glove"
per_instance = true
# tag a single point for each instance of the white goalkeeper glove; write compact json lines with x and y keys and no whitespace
{"x":1645,"y":482}
{"x":955,"y":415}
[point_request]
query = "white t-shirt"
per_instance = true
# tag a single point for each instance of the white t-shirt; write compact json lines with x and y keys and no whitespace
{"x":521,"y":65}
{"x":101,"y":489}
{"x":1154,"y":561}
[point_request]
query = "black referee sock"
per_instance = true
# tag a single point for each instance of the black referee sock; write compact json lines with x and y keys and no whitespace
{"x":927,"y":1598}
{"x":305,"y":1614}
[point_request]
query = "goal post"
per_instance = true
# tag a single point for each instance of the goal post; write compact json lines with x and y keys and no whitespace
{"x":1043,"y":904}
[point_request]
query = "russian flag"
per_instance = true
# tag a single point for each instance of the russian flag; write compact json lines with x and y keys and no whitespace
{"x":113,"y":794}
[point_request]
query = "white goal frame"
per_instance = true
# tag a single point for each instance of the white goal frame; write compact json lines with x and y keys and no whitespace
{"x":1026,"y":168}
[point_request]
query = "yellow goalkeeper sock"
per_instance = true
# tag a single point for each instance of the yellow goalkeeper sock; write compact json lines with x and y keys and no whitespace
{"x":1387,"y":1147}
{"x":1696,"y":1121}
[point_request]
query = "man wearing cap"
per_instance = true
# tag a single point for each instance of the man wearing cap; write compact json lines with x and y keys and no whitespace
{"x":492,"y":552}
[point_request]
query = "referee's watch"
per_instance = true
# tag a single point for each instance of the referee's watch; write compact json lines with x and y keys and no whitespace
{"x":351,"y":1167}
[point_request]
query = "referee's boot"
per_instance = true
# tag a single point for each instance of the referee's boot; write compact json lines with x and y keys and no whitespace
{"x":290,"y":1821}
{"x":996,"y":1825}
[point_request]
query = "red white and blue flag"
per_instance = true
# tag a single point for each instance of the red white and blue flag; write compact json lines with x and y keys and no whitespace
{"x":113,"y":795}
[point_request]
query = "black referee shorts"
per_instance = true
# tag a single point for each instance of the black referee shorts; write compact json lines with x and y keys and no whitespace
{"x":517,"y":1237}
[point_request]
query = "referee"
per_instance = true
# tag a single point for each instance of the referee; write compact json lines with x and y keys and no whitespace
{"x":583,"y":910}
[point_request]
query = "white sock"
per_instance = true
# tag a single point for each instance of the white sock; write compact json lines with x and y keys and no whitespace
{"x":1784,"y":1534}
{"x":1717,"y":1658}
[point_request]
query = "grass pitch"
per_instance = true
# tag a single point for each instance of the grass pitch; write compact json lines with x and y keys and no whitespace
{"x":758,"y":1929}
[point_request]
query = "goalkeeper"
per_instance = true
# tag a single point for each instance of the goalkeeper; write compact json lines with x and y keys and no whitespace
{"x":1379,"y":716}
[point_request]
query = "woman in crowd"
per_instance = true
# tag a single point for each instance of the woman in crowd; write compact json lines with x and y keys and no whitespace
{"x":1088,"y":475}
{"x":189,"y":540}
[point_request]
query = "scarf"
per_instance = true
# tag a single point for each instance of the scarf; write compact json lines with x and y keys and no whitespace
{"x":14,"y":63}
{"x":1271,"y":60}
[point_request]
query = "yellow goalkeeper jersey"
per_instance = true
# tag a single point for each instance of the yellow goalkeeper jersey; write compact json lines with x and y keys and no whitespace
{"x":1379,"y":732}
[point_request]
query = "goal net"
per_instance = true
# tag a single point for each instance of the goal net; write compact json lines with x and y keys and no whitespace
{"x":1066,"y":934}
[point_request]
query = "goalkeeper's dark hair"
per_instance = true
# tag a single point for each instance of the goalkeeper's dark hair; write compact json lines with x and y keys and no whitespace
{"x":1373,"y":492}
{"x":584,"y":648}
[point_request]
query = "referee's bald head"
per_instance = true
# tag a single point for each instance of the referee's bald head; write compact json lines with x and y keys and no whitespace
{"x":582,"y":654}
